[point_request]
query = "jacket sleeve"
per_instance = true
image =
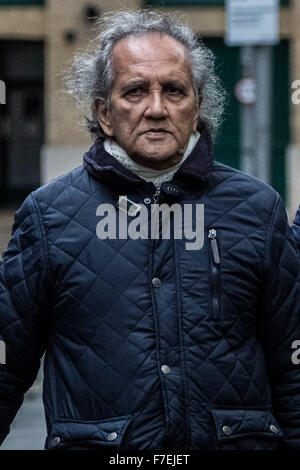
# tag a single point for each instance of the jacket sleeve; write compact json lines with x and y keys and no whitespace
{"x":279,"y":324}
{"x":24,"y":307}
{"x":296,"y":228}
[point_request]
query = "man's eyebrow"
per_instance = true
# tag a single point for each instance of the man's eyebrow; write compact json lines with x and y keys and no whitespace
{"x":143,"y":82}
{"x":134,"y":84}
{"x":175,"y":83}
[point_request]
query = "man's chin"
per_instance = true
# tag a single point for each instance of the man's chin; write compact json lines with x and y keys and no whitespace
{"x":155,"y":158}
{"x":156,"y":155}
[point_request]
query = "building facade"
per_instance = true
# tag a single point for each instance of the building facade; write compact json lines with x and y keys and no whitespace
{"x":40,"y":134}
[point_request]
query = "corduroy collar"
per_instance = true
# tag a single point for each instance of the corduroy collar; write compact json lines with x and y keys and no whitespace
{"x":197,"y":166}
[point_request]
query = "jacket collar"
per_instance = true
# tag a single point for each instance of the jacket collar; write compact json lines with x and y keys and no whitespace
{"x":197,"y":167}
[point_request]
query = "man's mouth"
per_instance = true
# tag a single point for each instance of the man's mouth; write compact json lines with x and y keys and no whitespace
{"x":156,"y":131}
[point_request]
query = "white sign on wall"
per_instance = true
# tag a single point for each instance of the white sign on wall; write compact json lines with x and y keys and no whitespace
{"x":252,"y":22}
{"x":245,"y":90}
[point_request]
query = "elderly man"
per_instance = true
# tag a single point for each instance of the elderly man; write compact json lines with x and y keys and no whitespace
{"x":153,"y":342}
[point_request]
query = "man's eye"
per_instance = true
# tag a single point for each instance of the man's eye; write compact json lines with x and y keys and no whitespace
{"x":135,"y":91}
{"x":171,"y":90}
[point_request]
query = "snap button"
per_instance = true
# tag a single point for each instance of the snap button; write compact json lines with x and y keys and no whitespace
{"x":147,"y":200}
{"x":156,"y":282}
{"x":165,"y":369}
{"x":112,"y":436}
{"x":227,"y":430}
{"x":55,"y":441}
{"x":273,"y":429}
{"x":171,"y":189}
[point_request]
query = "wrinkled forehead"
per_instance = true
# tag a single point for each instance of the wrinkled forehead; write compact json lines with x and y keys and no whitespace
{"x":153,"y":48}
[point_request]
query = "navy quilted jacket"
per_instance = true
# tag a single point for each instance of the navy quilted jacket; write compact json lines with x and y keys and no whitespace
{"x":296,"y":227}
{"x":150,"y":345}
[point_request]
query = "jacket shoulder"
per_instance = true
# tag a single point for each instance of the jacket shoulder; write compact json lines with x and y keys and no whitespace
{"x":70,"y":185}
{"x":232,"y":182}
{"x":296,"y":227}
{"x":228,"y":173}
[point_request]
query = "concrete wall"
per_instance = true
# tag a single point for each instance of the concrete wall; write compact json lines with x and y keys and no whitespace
{"x":24,"y":23}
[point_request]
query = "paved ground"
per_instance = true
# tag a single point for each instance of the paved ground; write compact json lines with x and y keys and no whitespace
{"x":28,"y":431}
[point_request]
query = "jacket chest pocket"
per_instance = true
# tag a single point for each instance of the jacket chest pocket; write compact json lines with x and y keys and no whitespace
{"x":215,"y":273}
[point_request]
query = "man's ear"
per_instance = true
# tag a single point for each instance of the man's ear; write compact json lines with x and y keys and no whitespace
{"x":104,"y":117}
{"x":197,"y":113}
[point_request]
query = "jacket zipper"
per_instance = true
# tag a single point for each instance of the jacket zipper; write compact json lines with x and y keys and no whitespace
{"x":155,"y":198}
{"x":215,"y":274}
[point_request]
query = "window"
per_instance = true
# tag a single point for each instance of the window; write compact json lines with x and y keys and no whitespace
{"x":8,"y":3}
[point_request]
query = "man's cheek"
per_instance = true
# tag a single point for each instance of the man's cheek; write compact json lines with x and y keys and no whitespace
{"x":123,"y":127}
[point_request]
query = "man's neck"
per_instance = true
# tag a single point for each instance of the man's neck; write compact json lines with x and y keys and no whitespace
{"x":157,"y":177}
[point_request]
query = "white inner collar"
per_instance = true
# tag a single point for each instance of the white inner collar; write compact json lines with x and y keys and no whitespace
{"x":157,"y":177}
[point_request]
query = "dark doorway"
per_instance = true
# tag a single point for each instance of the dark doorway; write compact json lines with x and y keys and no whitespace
{"x":21,"y":119}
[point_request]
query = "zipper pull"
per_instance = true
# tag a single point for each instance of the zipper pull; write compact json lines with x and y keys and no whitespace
{"x":156,"y":196}
{"x":212,"y":235}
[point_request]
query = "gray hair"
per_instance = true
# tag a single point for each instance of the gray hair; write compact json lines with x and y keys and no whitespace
{"x":91,"y":74}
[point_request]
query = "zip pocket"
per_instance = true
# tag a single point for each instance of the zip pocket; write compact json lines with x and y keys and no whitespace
{"x":215,"y":275}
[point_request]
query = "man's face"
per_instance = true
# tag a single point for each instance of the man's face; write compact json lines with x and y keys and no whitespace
{"x":153,"y":111}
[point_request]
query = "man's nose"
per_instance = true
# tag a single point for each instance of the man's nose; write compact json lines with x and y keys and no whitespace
{"x":156,"y":107}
